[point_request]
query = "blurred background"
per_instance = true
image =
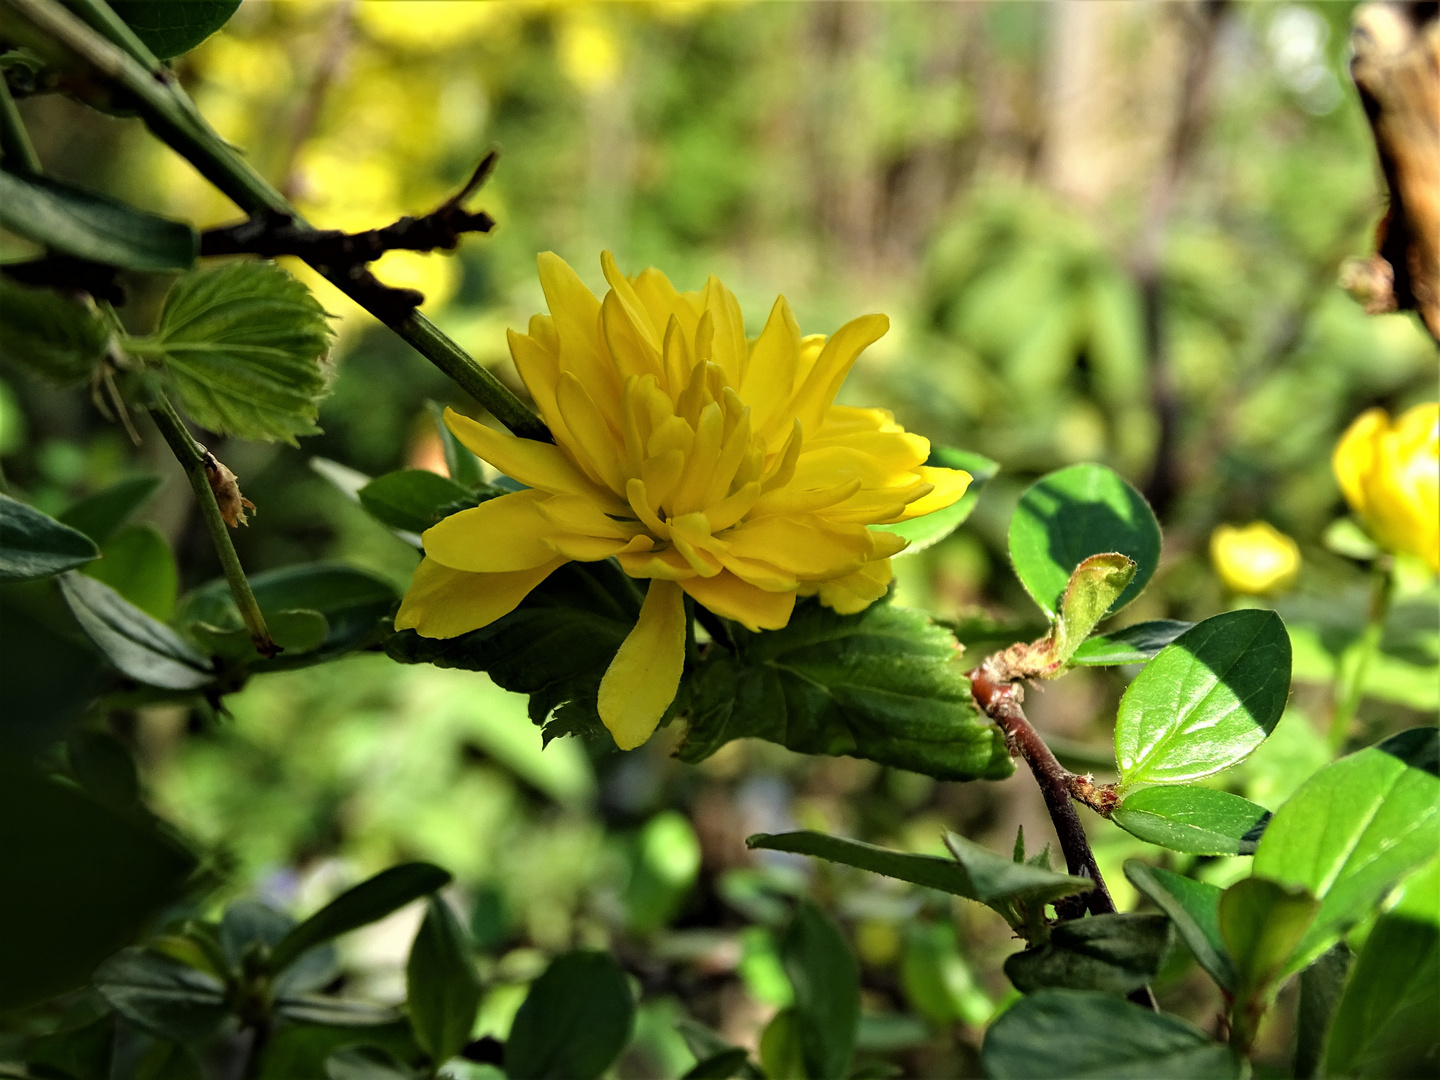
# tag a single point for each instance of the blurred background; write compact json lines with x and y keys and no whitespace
{"x":1102,"y":231}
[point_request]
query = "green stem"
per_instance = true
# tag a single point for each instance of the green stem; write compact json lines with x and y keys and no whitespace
{"x":15,"y":148}
{"x":193,"y":459}
{"x":173,"y":118}
{"x":1354,"y":664}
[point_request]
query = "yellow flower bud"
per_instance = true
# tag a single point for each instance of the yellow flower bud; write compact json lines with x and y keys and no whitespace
{"x":1390,"y":474}
{"x":1256,"y":560}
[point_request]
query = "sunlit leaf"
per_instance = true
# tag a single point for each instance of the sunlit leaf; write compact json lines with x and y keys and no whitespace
{"x":1133,"y":645}
{"x":1261,"y":922}
{"x":1194,"y":908}
{"x":1193,"y":819}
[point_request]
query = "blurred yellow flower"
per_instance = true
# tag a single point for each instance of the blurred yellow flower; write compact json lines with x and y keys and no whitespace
{"x":589,"y":50}
{"x":708,"y":464}
{"x":1390,"y":474}
{"x":1255,"y":560}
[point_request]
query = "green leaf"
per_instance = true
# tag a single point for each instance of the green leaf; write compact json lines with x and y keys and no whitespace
{"x":1385,"y":1023}
{"x":721,"y":1065}
{"x":826,"y":980}
{"x":35,"y":545}
{"x":138,"y":565}
{"x":332,"y":1012}
{"x":52,"y":335}
{"x":1206,"y":701}
{"x":101,"y":515}
{"x":301,"y":1050}
{"x":1078,"y":1034}
{"x":168,"y":1061}
{"x":937,"y":980}
{"x":926,"y":531}
{"x":106,"y":771}
{"x":1261,"y":922}
{"x":1115,"y":953}
{"x":411,"y":499}
{"x":146,"y":650}
{"x":296,"y":632}
{"x":780,"y":1054}
{"x":244,"y":345}
{"x":1069,"y":515}
{"x":73,"y":221}
{"x":169,"y":28}
{"x":441,"y":985}
{"x":1133,"y":645}
{"x":884,"y":684}
{"x":161,"y":995}
{"x":1093,"y":587}
{"x":460,"y":463}
{"x":575,"y":1021}
{"x":368,"y":902}
{"x":1192,"y":819}
{"x":1354,"y":830}
{"x":1194,"y":908}
{"x":366,"y":1063}
{"x":1320,"y":986}
{"x":77,"y":1051}
{"x":250,"y":926}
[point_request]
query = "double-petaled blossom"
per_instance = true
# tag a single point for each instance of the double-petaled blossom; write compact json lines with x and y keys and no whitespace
{"x":1390,"y":474}
{"x":708,"y":464}
{"x":1257,"y":559}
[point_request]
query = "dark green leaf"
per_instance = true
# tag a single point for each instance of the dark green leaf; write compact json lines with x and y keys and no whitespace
{"x":923,"y":532}
{"x":1133,"y":645}
{"x":368,"y":902}
{"x":885,"y":684}
{"x":73,"y":221}
{"x":169,"y":28}
{"x":161,"y":995}
{"x":1385,"y":1024}
{"x":35,"y":545}
{"x":137,"y":564}
{"x":167,"y":1061}
{"x":1320,"y":987}
{"x":1354,"y":830}
{"x":296,"y":632}
{"x":244,"y":345}
{"x":826,"y":980}
{"x":301,"y":1050}
{"x":1115,"y":953}
{"x":366,"y":1063}
{"x":105,"y":770}
{"x":575,"y":1021}
{"x":1261,"y":922}
{"x":442,"y":987}
{"x":333,"y":1012}
{"x":77,"y":1051}
{"x":101,"y":515}
{"x":720,"y":1066}
{"x":460,"y":463}
{"x":52,"y":335}
{"x":1078,"y":1034}
{"x":250,"y":926}
{"x":1194,"y":908}
{"x":48,"y":667}
{"x":411,"y":499}
{"x":140,"y":647}
{"x":1196,"y":820}
{"x":1069,"y":515}
{"x":1206,"y":701}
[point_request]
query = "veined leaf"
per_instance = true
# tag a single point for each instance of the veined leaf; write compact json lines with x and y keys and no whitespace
{"x":35,"y":545}
{"x":1194,"y":908}
{"x":1196,"y":820}
{"x":139,"y":646}
{"x":926,"y":531}
{"x":1133,"y":645}
{"x":244,"y":347}
{"x":50,"y":334}
{"x":168,"y":28}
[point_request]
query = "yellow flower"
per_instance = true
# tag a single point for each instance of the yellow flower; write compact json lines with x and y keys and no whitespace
{"x":1390,"y":474}
{"x":708,"y":464}
{"x":1255,"y":560}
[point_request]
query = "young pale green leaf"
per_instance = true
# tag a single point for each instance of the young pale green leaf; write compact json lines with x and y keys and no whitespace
{"x":1133,"y":645}
{"x":101,"y":515}
{"x":139,"y":646}
{"x":74,"y":221}
{"x":137,"y":564}
{"x":1093,"y":587}
{"x":1355,"y":830}
{"x":1192,"y":819}
{"x":441,"y":985}
{"x":1079,"y":1034}
{"x":1320,"y":987}
{"x":1116,"y":953}
{"x":368,"y":902}
{"x":1385,"y":1023}
{"x":161,"y":995}
{"x":1206,"y":701}
{"x":1069,"y":515}
{"x":926,"y":531}
{"x":169,"y":29}
{"x":883,"y":684}
{"x":244,"y":347}
{"x":411,"y":499}
{"x":1261,"y":922}
{"x":35,"y":545}
{"x":1194,"y":908}
{"x":826,"y":980}
{"x":462,"y":465}
{"x":54,"y":336}
{"x":575,"y":1021}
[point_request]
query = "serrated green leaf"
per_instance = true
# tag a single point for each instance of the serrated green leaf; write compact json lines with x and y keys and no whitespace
{"x":1355,"y":830}
{"x":244,"y":347}
{"x":1079,"y":1034}
{"x":826,"y":980}
{"x":143,"y":648}
{"x":35,"y":545}
{"x":883,"y":684}
{"x":50,"y":334}
{"x":1206,"y":701}
{"x":74,"y":221}
{"x":1194,"y":908}
{"x":1116,"y":953}
{"x":442,"y":988}
{"x":1133,"y":645}
{"x":101,"y":515}
{"x":1069,"y":515}
{"x":412,"y":499}
{"x":161,"y":995}
{"x":1196,"y":820}
{"x":574,"y":1022}
{"x":924,"y":532}
{"x":137,"y":564}
{"x":1261,"y":922}
{"x":169,"y":28}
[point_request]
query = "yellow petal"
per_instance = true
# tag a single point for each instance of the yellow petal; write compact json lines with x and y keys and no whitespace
{"x":539,"y":370}
{"x":632,"y":306}
{"x":593,"y":440}
{"x":576,"y":312}
{"x":770,"y":376}
{"x":641,"y":681}
{"x":730,"y":349}
{"x":1355,"y":456}
{"x":731,"y":597}
{"x":534,"y":464}
{"x":496,"y":537}
{"x":949,"y":486}
{"x":804,"y":545}
{"x":836,"y":359}
{"x":855,"y":592}
{"x":445,"y":603}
